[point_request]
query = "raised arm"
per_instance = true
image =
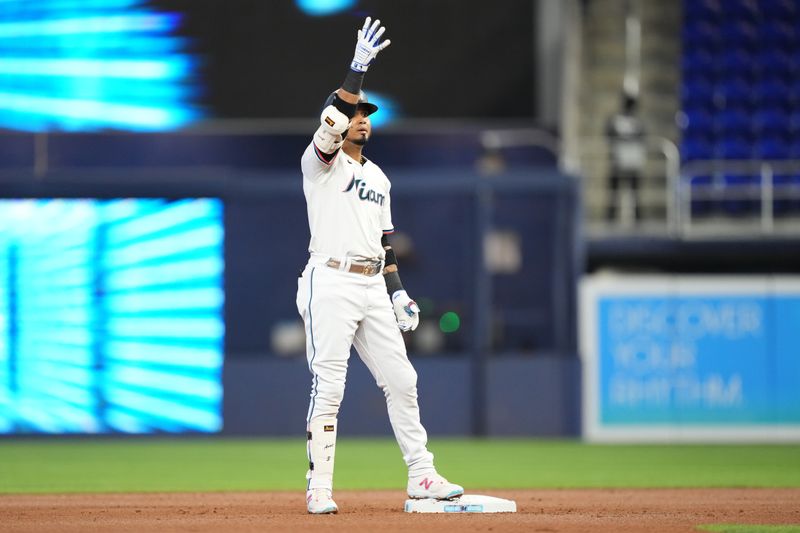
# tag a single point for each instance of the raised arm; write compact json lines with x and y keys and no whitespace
{"x":341,"y":105}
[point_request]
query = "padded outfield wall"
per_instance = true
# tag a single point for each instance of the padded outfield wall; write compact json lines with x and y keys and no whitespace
{"x":498,"y":253}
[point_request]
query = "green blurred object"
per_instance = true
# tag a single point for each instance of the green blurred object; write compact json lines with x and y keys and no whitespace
{"x":225,"y":464}
{"x":450,"y":322}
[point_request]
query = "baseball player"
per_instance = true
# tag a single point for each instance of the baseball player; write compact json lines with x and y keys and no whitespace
{"x":342,"y":292}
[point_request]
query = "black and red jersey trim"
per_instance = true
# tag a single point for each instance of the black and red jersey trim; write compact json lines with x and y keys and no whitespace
{"x":325,"y":158}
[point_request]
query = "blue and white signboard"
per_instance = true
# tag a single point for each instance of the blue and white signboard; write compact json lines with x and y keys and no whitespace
{"x":678,"y":358}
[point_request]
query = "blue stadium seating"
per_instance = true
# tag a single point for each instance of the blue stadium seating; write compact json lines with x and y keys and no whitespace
{"x":773,"y":147}
{"x":783,"y":185}
{"x":736,"y":185}
{"x":740,"y":94}
{"x":777,"y":33}
{"x":700,"y":120}
{"x":772,"y":121}
{"x":701,"y":206}
{"x":700,"y":64}
{"x":733,"y":120}
{"x":697,"y":92}
{"x":739,"y":32}
{"x":696,"y":147}
{"x":779,"y":9}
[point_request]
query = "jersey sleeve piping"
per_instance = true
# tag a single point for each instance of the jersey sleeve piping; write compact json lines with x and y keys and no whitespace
{"x":327,"y":159}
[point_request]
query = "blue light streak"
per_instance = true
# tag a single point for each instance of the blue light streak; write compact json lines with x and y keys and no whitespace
{"x":321,"y":8}
{"x":130,"y":69}
{"x":117,"y":315}
{"x":89,"y":25}
{"x":76,"y":113}
{"x":66,"y":65}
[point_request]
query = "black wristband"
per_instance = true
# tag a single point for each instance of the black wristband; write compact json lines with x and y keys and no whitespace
{"x":352,"y":82}
{"x":391,"y":259}
{"x":345,"y":107}
{"x":393,"y":282}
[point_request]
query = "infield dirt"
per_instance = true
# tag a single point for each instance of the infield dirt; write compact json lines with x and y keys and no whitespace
{"x":589,"y":510}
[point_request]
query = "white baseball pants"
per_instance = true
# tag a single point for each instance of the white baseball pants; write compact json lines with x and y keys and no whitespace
{"x":342,"y":309}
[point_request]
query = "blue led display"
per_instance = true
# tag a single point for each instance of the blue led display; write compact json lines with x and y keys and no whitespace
{"x":111,"y":316}
{"x":72,"y":65}
{"x":321,"y":8}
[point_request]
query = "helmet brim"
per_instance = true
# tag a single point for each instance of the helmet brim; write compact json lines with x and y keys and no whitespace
{"x":368,"y":107}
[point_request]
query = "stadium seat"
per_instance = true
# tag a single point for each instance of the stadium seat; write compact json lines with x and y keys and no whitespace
{"x":696,"y":147}
{"x":733,"y":122}
{"x":737,"y":62}
{"x":774,"y":61}
{"x":773,"y":92}
{"x":699,"y":64}
{"x":739,"y":33}
{"x":773,"y":147}
{"x":733,"y":147}
{"x":697,"y":93}
{"x":699,"y":121}
{"x":794,"y":122}
{"x":779,"y":9}
{"x":777,"y":33}
{"x":772,"y":121}
{"x":745,"y":10}
{"x":794,"y":88}
{"x":700,"y":34}
{"x":786,"y":189}
{"x":735,"y":93}
{"x":701,"y":204}
{"x":742,"y":194}
{"x":702,"y":9}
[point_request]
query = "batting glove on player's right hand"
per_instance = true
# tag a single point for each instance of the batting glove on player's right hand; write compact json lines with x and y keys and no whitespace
{"x":368,"y":45}
{"x":406,"y":310}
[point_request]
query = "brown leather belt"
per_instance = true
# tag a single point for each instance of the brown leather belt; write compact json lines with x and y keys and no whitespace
{"x":369,"y":268}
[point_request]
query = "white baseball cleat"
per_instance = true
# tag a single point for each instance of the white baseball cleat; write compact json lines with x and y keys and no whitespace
{"x":320,"y":501}
{"x":433,"y":486}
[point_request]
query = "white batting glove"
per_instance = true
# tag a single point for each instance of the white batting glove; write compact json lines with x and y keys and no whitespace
{"x":406,"y":311}
{"x":368,"y":45}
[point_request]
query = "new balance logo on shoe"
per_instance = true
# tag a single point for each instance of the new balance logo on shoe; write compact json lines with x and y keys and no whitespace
{"x":432,"y":486}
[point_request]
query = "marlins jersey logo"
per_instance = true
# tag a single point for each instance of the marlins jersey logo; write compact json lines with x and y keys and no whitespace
{"x":360,"y":186}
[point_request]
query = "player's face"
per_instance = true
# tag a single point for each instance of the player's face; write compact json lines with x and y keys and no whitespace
{"x":360,"y":128}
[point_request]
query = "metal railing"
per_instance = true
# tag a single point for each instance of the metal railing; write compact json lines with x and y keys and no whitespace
{"x":657,"y":188}
{"x":759,"y":194}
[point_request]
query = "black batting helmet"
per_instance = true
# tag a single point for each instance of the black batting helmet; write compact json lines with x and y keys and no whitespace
{"x":363,"y":103}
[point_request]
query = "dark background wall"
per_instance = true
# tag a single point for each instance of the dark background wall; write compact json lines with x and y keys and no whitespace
{"x":454,"y":58}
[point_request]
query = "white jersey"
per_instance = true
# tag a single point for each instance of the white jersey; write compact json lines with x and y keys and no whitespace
{"x":348,"y":205}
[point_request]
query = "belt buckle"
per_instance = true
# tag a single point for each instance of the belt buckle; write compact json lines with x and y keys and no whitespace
{"x":371,"y":269}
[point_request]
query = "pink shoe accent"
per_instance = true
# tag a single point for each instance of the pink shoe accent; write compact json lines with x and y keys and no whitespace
{"x":425,"y":483}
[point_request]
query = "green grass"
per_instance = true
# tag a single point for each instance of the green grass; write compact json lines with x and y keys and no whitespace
{"x":746,"y":528}
{"x":211,"y":464}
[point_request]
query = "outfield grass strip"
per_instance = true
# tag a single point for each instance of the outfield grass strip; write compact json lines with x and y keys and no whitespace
{"x":225,"y":464}
{"x":750,"y":528}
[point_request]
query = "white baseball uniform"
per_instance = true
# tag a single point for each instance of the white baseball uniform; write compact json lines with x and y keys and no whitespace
{"x":348,"y":212}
